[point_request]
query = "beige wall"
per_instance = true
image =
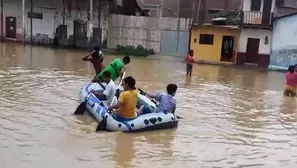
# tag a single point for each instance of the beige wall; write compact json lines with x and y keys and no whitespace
{"x":146,"y":31}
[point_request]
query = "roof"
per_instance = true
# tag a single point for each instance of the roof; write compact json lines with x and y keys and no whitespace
{"x":218,"y":26}
{"x":284,"y":16}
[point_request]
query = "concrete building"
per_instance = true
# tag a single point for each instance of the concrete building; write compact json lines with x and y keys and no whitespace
{"x":284,"y":43}
{"x":256,"y":32}
{"x":210,"y":46}
{"x":63,"y":22}
{"x":252,"y":19}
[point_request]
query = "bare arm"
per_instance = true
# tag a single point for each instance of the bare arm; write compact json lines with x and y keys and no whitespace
{"x":101,"y":96}
{"x":151,"y":95}
{"x":88,"y":58}
{"x":116,"y":106}
{"x":122,"y":71}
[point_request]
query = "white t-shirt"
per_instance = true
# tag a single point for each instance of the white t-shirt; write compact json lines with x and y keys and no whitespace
{"x":109,"y":92}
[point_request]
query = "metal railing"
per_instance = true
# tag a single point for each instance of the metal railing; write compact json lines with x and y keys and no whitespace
{"x":255,"y":18}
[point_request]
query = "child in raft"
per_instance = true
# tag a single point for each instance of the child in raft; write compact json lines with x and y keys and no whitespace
{"x":167,"y":102}
{"x":190,"y":60}
{"x":291,"y":81}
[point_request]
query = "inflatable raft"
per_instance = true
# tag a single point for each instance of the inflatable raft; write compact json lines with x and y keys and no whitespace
{"x":146,"y":122}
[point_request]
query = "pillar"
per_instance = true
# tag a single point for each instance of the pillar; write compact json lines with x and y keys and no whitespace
{"x":91,"y":23}
{"x":24,"y":20}
{"x":2,"y":36}
{"x":31,"y":23}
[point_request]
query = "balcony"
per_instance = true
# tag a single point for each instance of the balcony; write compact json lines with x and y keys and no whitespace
{"x":256,"y":19}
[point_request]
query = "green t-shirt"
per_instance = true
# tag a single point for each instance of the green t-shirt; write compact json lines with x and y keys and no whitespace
{"x":114,"y":68}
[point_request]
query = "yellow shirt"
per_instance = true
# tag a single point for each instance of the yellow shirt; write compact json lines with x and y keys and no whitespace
{"x":128,"y":101}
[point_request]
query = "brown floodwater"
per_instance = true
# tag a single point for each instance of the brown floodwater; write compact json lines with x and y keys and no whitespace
{"x":232,"y":117}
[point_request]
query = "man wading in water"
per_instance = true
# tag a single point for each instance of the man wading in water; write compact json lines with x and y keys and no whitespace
{"x":96,"y":58}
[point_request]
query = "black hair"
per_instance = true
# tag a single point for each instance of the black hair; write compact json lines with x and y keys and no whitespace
{"x":106,"y":74}
{"x":191,"y":51}
{"x":171,"y":89}
{"x":126,"y":60}
{"x":130,"y":81}
{"x":291,"y":69}
{"x":95,"y":54}
{"x":96,"y":49}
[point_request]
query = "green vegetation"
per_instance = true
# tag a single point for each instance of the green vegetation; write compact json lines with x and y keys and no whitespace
{"x":134,"y":51}
{"x":233,"y":17}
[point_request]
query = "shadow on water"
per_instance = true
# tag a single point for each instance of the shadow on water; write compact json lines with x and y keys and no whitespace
{"x":232,"y":117}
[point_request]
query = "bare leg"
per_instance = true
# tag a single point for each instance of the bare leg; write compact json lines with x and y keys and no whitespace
{"x":140,"y":110}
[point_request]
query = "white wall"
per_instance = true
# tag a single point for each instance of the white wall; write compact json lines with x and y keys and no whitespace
{"x":52,"y":17}
{"x":284,"y":45}
{"x":13,"y":8}
{"x":255,"y":33}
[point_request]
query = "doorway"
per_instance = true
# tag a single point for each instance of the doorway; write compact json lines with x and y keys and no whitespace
{"x":266,"y":18}
{"x":227,"y":48}
{"x":80,"y":34}
{"x":10,"y":27}
{"x":252,"y":49}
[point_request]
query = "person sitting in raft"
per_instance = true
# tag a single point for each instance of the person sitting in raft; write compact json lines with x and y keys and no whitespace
{"x":117,"y":68}
{"x":126,"y":106}
{"x":96,"y":58}
{"x":291,"y":82}
{"x":167,"y":103}
{"x":109,"y":92}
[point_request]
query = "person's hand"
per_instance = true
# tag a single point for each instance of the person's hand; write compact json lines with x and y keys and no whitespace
{"x":94,"y":80}
{"x":109,"y":109}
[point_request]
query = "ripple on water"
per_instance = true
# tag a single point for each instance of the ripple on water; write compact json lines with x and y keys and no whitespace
{"x":231,"y":118}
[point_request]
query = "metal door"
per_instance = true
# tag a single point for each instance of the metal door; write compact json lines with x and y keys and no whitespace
{"x":11,"y":27}
{"x":168,"y":42}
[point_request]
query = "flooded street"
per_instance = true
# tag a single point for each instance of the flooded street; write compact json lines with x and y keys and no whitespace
{"x":232,"y":117}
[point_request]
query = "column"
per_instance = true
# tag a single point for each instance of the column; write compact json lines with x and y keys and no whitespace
{"x":91,"y":23}
{"x":2,"y":35}
{"x":24,"y":20}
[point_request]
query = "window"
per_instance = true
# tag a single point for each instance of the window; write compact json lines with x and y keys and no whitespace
{"x":256,"y":5}
{"x":213,"y":11}
{"x":35,"y":15}
{"x":195,"y":40}
{"x":206,"y":39}
{"x":280,"y":2}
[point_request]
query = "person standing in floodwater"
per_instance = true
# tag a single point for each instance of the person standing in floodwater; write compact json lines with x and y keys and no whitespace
{"x":291,"y":82}
{"x":190,"y":60}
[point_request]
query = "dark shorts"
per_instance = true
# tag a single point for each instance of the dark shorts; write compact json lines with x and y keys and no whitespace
{"x":189,"y":66}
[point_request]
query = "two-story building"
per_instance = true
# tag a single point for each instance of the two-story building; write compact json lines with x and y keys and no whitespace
{"x":237,"y":31}
{"x":256,"y":32}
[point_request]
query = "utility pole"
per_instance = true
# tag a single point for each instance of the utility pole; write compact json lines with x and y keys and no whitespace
{"x":99,"y":21}
{"x":178,"y":27}
{"x":161,"y":9}
{"x":31,"y":22}
{"x":198,"y":12}
{"x":2,"y":36}
{"x":24,"y":20}
{"x":64,"y":12}
{"x":193,"y":10}
{"x":91,"y":23}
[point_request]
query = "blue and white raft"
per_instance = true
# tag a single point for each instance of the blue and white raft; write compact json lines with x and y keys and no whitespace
{"x":146,"y":122}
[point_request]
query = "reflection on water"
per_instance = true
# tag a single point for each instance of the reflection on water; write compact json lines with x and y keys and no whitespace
{"x":232,"y":117}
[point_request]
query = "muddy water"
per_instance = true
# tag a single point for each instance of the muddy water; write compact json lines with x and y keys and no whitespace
{"x":232,"y":117}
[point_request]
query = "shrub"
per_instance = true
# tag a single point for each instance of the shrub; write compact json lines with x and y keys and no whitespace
{"x":135,"y":51}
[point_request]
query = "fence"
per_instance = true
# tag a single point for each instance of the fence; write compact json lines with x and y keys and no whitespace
{"x":168,"y":36}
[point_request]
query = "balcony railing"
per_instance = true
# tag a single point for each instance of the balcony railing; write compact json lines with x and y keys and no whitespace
{"x":256,"y":18}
